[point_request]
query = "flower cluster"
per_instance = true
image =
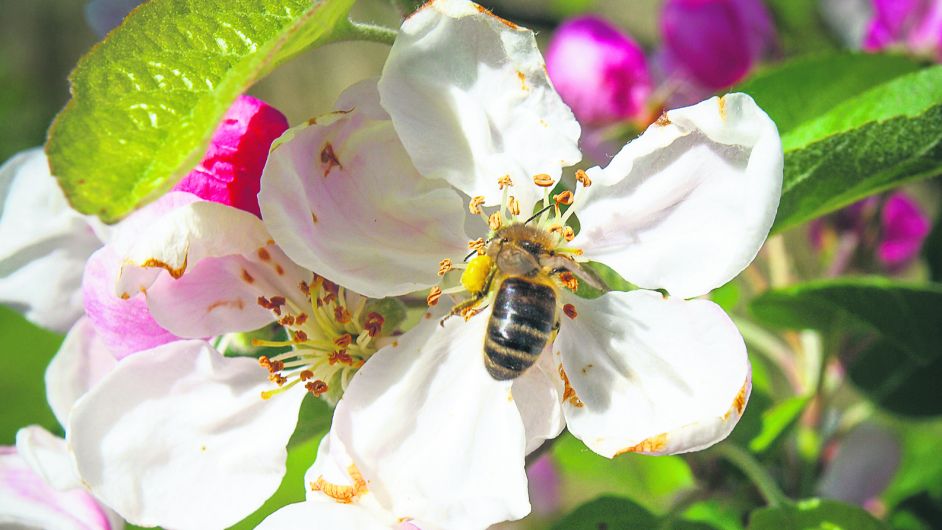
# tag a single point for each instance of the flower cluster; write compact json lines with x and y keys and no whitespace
{"x":456,"y":148}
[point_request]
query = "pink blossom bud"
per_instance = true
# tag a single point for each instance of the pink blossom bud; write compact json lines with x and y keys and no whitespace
{"x":714,"y":43}
{"x":600,"y":72}
{"x":231,"y":170}
{"x":913,"y":24}
{"x":904,"y":227}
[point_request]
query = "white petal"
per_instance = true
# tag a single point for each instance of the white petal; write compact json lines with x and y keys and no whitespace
{"x":323,"y":514}
{"x":469,"y":95}
{"x":82,"y":360}
{"x":43,"y":243}
{"x":538,"y":393}
{"x":437,"y":439}
{"x":27,"y":501}
{"x":651,"y":375}
{"x":687,"y":205}
{"x":48,"y":456}
{"x":342,"y":198}
{"x":179,"y":436}
{"x":218,"y":260}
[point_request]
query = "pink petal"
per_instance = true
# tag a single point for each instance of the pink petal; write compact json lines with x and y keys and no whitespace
{"x":904,"y":228}
{"x":232,"y":168}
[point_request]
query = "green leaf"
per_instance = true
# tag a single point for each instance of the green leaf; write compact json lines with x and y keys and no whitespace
{"x":896,"y":381}
{"x":908,"y":315}
{"x":932,"y":250}
{"x":146,"y":100}
{"x":799,"y":26}
{"x":611,"y":513}
{"x":313,"y":420}
{"x":851,"y":126}
{"x":814,"y":514}
{"x":776,"y":421}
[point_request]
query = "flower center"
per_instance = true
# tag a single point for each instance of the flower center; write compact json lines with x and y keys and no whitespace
{"x":332,"y":333}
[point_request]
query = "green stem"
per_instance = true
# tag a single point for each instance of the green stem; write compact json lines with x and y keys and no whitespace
{"x":351,"y":30}
{"x":773,"y":348}
{"x":739,"y":457}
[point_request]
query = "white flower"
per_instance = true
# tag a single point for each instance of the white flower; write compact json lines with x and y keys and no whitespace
{"x":362,"y":197}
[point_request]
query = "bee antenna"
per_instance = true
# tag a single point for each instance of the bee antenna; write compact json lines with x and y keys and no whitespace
{"x":539,"y":213}
{"x":473,"y":252}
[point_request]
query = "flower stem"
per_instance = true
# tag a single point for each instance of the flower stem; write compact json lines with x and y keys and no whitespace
{"x":351,"y":30}
{"x":739,"y":457}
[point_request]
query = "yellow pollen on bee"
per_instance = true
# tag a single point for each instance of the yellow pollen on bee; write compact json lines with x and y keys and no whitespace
{"x":543,"y":180}
{"x":475,"y":205}
{"x":475,"y":274}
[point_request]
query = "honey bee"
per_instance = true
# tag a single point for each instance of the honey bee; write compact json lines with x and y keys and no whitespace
{"x":520,"y":265}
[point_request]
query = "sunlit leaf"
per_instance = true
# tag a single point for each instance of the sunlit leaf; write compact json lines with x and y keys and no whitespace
{"x":146,"y":100}
{"x":815,"y":514}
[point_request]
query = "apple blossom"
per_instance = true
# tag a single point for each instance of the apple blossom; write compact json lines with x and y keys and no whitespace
{"x":915,"y":25}
{"x":464,"y":98}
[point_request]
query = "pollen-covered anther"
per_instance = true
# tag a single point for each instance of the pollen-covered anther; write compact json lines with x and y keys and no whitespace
{"x":316,"y":387}
{"x":300,"y":336}
{"x":569,"y":280}
{"x":513,"y":205}
{"x":444,"y":266}
{"x":278,"y":379}
{"x":495,"y":221}
{"x":583,"y":178}
{"x":568,"y":233}
{"x":569,"y":393}
{"x":341,"y":357}
{"x":341,"y":315}
{"x":475,"y":205}
{"x":343,"y":494}
{"x":504,"y":182}
{"x":374,"y":324}
{"x":306,"y":375}
{"x":469,"y":312}
{"x":433,"y":296}
{"x":343,"y":340}
{"x":300,"y":319}
{"x":305,"y":288}
{"x":570,"y":311}
{"x":543,"y":180}
{"x":477,"y":244}
{"x":287,"y":320}
{"x":565,"y":198}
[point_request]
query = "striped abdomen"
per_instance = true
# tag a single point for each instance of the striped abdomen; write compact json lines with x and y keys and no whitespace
{"x":520,"y":325}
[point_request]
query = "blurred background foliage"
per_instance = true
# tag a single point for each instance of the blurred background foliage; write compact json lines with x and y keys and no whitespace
{"x":845,"y":447}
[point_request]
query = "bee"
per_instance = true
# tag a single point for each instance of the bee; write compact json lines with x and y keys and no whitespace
{"x":520,"y":265}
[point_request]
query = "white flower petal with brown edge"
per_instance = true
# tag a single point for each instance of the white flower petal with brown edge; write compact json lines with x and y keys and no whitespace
{"x":179,"y":436}
{"x":437,"y":438}
{"x":342,"y":198}
{"x":43,"y":243}
{"x":645,"y":374}
{"x":471,"y":100}
{"x":82,"y":360}
{"x":687,"y":205}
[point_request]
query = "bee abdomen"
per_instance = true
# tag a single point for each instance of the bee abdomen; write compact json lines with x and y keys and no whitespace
{"x":519,"y":328}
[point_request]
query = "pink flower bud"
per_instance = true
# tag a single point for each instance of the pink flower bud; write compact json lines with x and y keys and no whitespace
{"x":904,"y":227}
{"x":231,"y":170}
{"x":714,"y":43}
{"x":600,"y":72}
{"x":913,"y":24}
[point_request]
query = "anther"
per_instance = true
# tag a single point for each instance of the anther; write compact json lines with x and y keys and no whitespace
{"x":583,"y":178}
{"x":475,"y":205}
{"x":477,"y":244}
{"x":433,"y":296}
{"x":444,"y":266}
{"x":569,"y":280}
{"x":564,"y":198}
{"x":495,"y":221}
{"x":513,"y":205}
{"x":343,"y":340}
{"x":307,"y":374}
{"x":341,"y":315}
{"x":316,"y":387}
{"x":543,"y":180}
{"x":504,"y":181}
{"x":374,"y":324}
{"x":568,"y":233}
{"x":570,"y":311}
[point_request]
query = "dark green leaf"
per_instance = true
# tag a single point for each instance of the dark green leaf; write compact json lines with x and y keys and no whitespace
{"x":607,"y":513}
{"x":896,"y":381}
{"x":146,"y":100}
{"x":799,"y":26}
{"x":932,"y":250}
{"x":908,"y":315}
{"x":313,"y":420}
{"x":815,"y":514}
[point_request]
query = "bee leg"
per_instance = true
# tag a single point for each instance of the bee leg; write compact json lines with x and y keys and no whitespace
{"x":474,"y":300}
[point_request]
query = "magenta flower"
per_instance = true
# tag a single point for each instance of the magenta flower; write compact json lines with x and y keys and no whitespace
{"x":714,"y":43}
{"x":904,"y":229}
{"x":915,"y":25}
{"x":600,"y":72}
{"x":230,"y":171}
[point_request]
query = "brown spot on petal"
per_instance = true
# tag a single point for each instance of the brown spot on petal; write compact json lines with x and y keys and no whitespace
{"x":247,"y":277}
{"x":279,"y":270}
{"x":263,"y":254}
{"x":569,"y":393}
{"x":523,"y":80}
{"x":653,"y":444}
{"x":329,"y":159}
{"x":175,"y":273}
{"x":312,"y":121}
{"x":486,"y":11}
{"x":662,"y":120}
{"x":237,"y":303}
{"x":314,"y":217}
{"x":125,"y":296}
{"x":739,"y":403}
